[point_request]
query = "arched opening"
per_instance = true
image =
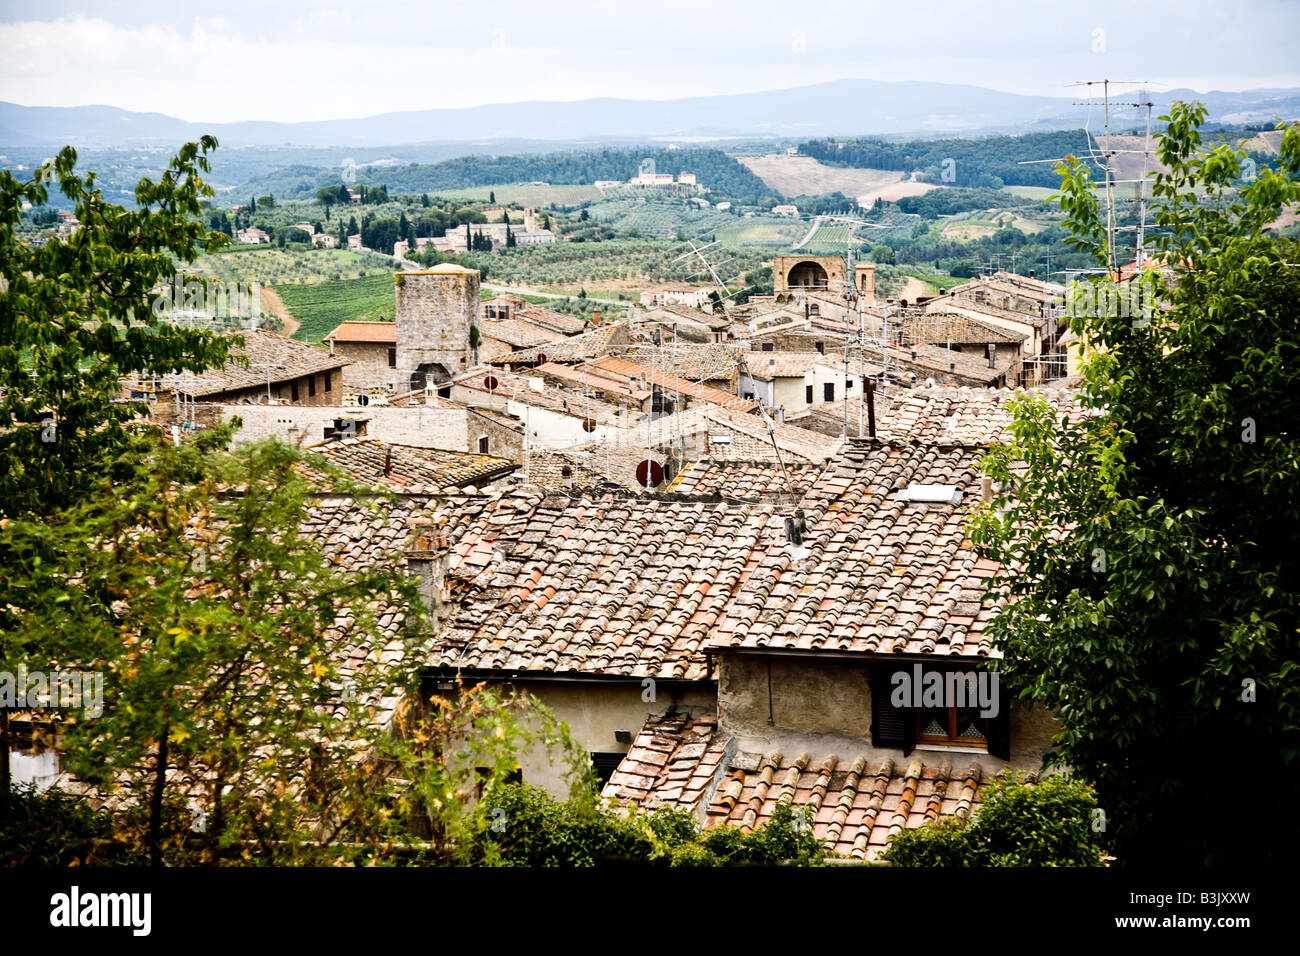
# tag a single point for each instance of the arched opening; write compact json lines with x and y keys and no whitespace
{"x":807,"y":275}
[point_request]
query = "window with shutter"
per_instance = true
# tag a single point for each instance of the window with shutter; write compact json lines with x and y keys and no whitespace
{"x":890,"y":726}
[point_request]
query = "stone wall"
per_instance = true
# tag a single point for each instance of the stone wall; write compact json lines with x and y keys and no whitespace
{"x":369,"y":365}
{"x":423,"y":426}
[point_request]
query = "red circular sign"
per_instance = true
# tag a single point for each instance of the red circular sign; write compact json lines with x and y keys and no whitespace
{"x":589,"y":424}
{"x":491,"y":383}
{"x":541,"y":358}
{"x":649,"y":474}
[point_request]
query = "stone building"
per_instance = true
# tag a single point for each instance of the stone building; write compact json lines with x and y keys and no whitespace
{"x":279,"y":371}
{"x":371,"y":347}
{"x":434,"y":313}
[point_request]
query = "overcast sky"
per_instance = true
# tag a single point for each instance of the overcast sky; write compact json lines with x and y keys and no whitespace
{"x":238,"y":60}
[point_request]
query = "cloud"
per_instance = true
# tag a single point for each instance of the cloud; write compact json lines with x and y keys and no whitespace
{"x":248,"y":59}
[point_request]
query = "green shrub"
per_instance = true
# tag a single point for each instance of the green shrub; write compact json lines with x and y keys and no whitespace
{"x":1049,"y":823}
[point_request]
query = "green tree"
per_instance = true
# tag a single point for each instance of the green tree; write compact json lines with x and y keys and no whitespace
{"x":1154,"y":601}
{"x":78,"y":314}
{"x":882,"y":254}
{"x":492,"y":196}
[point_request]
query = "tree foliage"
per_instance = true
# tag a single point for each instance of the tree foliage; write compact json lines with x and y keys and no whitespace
{"x":1150,"y":547}
{"x":1050,"y":823}
{"x":77,"y":315}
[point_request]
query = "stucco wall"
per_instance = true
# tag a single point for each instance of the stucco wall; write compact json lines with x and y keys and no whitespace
{"x":595,"y":711}
{"x":824,"y":707}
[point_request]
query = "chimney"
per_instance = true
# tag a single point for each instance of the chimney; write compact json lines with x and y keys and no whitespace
{"x":427,"y":560}
{"x":1031,"y":273}
{"x":986,"y":488}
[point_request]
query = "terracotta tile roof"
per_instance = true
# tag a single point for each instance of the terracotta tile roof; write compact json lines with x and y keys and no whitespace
{"x":673,"y":762}
{"x":854,"y":803}
{"x":665,"y":314}
{"x":550,"y":468}
{"x":747,"y":480}
{"x":952,"y":415}
{"x":768,"y":365}
{"x":630,"y":371}
{"x":409,"y":468}
{"x":377,"y":332}
{"x":550,"y":319}
{"x":601,"y":583}
{"x":579,"y":377}
{"x":518,"y":388}
{"x":881,"y":575}
{"x":576,"y":348}
{"x":936,"y":358}
{"x":610,"y":462}
{"x":751,"y":441}
{"x":267,"y":353}
{"x":940,"y":328}
{"x":518,"y":333}
{"x":961,"y":304}
{"x":696,"y":361}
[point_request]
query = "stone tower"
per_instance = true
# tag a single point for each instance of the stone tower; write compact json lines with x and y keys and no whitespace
{"x":809,"y":273}
{"x":864,"y":280}
{"x":434,"y":313}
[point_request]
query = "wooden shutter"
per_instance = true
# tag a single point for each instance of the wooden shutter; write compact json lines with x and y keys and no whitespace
{"x":890,"y":726}
{"x":999,"y":731}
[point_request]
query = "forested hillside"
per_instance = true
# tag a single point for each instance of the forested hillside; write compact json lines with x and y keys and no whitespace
{"x":712,"y":168}
{"x":992,"y":162}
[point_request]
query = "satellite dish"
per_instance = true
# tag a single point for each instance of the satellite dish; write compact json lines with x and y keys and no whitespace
{"x":649,"y":474}
{"x":363,"y":399}
{"x":491,"y":383}
{"x":589,"y":424}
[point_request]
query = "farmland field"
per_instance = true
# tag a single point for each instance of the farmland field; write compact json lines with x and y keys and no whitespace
{"x":804,"y":176}
{"x":750,"y":233}
{"x":319,"y":307}
{"x":527,"y":195}
{"x":622,"y":264}
{"x":1031,"y":192}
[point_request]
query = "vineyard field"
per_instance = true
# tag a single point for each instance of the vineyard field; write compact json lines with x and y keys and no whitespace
{"x":272,"y":266}
{"x":321,"y":306}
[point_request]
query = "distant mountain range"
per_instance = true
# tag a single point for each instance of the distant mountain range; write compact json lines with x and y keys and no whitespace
{"x":839,"y":108}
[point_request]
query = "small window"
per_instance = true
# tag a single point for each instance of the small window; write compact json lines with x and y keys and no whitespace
{"x":820,"y":347}
{"x":848,"y":385}
{"x":311,"y":385}
{"x":808,"y":394}
{"x":828,"y":391}
{"x":293,"y":389}
{"x":328,"y":383}
{"x":748,"y":396}
{"x":483,"y":445}
{"x":392,"y":358}
{"x":768,"y":346}
{"x":814,"y":309}
{"x":606,"y":764}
